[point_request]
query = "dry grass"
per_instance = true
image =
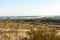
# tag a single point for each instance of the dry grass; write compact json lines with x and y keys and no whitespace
{"x":15,"y":31}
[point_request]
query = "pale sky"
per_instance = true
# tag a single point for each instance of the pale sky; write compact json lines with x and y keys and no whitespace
{"x":29,"y":7}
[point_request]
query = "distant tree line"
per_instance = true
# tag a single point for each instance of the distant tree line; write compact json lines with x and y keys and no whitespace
{"x":51,"y":20}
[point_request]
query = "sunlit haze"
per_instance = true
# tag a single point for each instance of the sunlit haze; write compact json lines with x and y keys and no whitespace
{"x":30,"y":7}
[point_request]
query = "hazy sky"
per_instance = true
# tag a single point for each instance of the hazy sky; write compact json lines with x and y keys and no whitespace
{"x":29,"y":7}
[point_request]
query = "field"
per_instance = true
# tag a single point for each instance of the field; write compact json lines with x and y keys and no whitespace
{"x":12,"y":30}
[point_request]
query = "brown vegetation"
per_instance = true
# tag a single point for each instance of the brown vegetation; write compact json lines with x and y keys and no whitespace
{"x":12,"y":30}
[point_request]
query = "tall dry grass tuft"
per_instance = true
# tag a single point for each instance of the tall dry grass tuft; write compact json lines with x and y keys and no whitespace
{"x":42,"y":33}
